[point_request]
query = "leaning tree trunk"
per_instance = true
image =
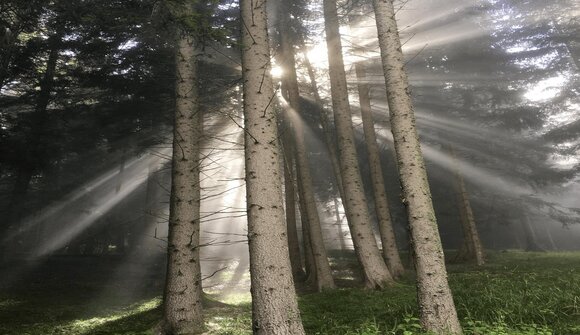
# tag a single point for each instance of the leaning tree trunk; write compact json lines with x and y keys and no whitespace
{"x":274,"y":303}
{"x":436,"y":306}
{"x":323,"y":272}
{"x":388,"y":240}
{"x":325,"y":123}
{"x":182,"y":301}
{"x":472,"y":242}
{"x":375,"y":271}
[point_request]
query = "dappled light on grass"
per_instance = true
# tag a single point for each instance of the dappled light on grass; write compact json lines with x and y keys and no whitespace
{"x":86,"y":326}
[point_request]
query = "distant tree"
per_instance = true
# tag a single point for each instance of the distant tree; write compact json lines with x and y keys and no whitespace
{"x":274,"y":304}
{"x":374,"y":268}
{"x":472,"y":248}
{"x":436,"y":306}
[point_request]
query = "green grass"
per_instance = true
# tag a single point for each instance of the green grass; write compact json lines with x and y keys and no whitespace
{"x":516,"y":293}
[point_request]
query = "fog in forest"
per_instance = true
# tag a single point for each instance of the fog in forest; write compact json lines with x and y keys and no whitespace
{"x":495,"y":84}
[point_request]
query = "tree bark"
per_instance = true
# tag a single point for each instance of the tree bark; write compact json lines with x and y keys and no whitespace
{"x":294,"y":121}
{"x":325,"y":123}
{"x":375,"y":271}
{"x":436,"y":306}
{"x":182,"y":303}
{"x":388,"y":239}
{"x":473,"y":244}
{"x":274,"y":304}
{"x":290,"y":200}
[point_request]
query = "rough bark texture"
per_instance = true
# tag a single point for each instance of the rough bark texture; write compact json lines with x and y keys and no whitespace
{"x":388,"y":240}
{"x":182,"y":302}
{"x":436,"y":306}
{"x":472,"y":242}
{"x":274,"y":304}
{"x":376,"y":273}
{"x":309,"y":263}
{"x":323,"y":272}
{"x":290,"y":200}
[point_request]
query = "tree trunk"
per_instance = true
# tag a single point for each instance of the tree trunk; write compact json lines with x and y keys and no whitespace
{"x":531,"y":238}
{"x":325,"y":122}
{"x":339,"y":225}
{"x":274,"y":304}
{"x":309,"y":261}
{"x":182,"y":302}
{"x":290,"y":200}
{"x":388,"y":240}
{"x":323,"y":273}
{"x":375,"y":271}
{"x":471,"y":236}
{"x":436,"y":306}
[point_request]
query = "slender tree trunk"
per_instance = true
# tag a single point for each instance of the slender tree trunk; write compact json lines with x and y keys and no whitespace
{"x":388,"y":240}
{"x":309,"y":261}
{"x":325,"y":122}
{"x":531,"y":238}
{"x":274,"y":304}
{"x":471,"y":236}
{"x":182,"y":303}
{"x":290,"y":199}
{"x":323,"y":273}
{"x":436,"y":306}
{"x":375,"y":271}
{"x":339,"y":225}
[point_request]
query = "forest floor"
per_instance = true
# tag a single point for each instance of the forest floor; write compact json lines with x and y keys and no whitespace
{"x":517,"y":292}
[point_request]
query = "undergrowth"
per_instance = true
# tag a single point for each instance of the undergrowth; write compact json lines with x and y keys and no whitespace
{"x":516,"y":293}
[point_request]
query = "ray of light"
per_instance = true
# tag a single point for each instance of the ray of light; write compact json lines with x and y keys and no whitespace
{"x":77,"y":215}
{"x":476,"y":175}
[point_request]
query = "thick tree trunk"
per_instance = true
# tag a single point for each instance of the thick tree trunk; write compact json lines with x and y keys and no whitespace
{"x":436,"y":306}
{"x":182,"y":302}
{"x":274,"y":305}
{"x":375,"y":271}
{"x":388,"y":240}
{"x":323,"y":273}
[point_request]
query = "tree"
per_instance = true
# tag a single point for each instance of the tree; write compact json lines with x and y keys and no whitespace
{"x":182,"y":300}
{"x":274,"y":305}
{"x":290,"y":209}
{"x":471,"y":247}
{"x":290,"y":84}
{"x":374,"y":268}
{"x":388,"y":239}
{"x":436,"y":304}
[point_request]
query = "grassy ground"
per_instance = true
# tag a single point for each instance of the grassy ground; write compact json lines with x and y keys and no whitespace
{"x":516,"y":293}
